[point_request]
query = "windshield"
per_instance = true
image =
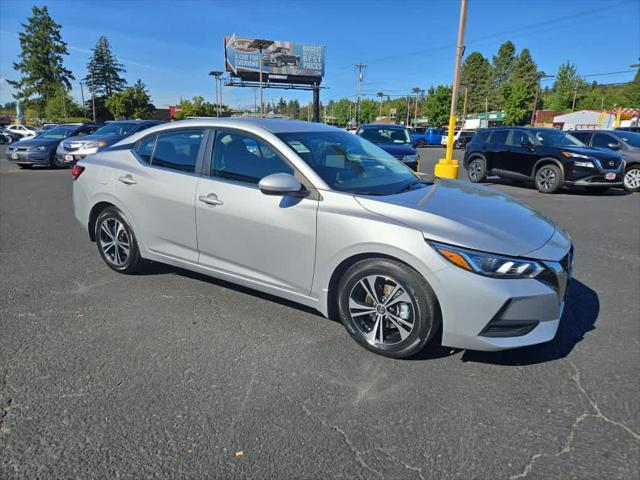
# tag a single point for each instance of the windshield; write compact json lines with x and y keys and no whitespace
{"x":631,"y":138}
{"x":116,"y":128}
{"x":348,"y":163}
{"x":397,"y":136}
{"x":556,"y":138}
{"x":58,"y":132}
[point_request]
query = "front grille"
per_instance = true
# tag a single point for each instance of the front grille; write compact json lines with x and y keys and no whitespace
{"x":20,"y":149}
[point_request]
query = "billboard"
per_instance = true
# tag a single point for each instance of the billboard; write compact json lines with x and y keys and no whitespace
{"x":286,"y":62}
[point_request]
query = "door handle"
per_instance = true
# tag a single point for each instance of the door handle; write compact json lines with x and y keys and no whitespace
{"x":127,"y":180}
{"x":210,"y":199}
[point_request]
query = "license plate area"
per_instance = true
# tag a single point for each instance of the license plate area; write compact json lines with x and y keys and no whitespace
{"x":15,"y":156}
{"x":609,"y":176}
{"x":68,"y":158}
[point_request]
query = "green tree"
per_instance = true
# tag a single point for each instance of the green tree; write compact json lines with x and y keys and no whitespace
{"x":196,"y":107}
{"x":41,"y":60}
{"x":342,"y":109}
{"x":518,"y":104}
{"x":61,"y":107}
{"x":437,"y":105}
{"x":567,"y":84}
{"x":503,"y":64}
{"x":132,"y":102}
{"x":103,"y":77}
{"x":476,"y":75}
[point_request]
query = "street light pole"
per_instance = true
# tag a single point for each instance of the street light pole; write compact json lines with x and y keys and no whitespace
{"x":260,"y":45}
{"x":216,"y":74}
{"x":448,"y":167}
{"x":84,"y":107}
{"x":359,"y":66}
{"x":539,"y":76}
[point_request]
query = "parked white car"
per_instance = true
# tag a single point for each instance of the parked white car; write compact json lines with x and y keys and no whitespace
{"x":26,"y":131}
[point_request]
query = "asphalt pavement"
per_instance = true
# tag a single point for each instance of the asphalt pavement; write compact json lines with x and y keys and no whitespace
{"x":172,"y":374}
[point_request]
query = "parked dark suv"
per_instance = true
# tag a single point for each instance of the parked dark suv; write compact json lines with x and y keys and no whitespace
{"x":550,"y":157}
{"x":625,"y":142}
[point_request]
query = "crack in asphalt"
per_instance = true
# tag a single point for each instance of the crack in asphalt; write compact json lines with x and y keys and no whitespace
{"x":568,"y":443}
{"x":357,"y":453}
{"x":405,"y":465}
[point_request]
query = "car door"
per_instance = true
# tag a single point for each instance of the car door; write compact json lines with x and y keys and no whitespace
{"x":584,"y":136}
{"x":496,"y":151}
{"x":519,"y":158}
{"x":245,"y":233}
{"x":159,"y":190}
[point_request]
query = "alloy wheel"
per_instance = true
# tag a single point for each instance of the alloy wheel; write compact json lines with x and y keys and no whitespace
{"x":632,"y":178}
{"x":382,"y":310}
{"x":115,"y":241}
{"x":546,"y":178}
{"x":475,"y":170}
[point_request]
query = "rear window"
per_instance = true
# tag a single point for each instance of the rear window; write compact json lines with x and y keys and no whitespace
{"x":499,"y":137}
{"x":481,"y":137}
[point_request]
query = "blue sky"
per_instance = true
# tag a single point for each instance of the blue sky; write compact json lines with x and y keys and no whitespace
{"x":172,"y":45}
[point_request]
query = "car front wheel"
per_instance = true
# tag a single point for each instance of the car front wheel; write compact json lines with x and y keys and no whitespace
{"x":632,"y":178}
{"x":477,"y":170}
{"x":116,"y":242}
{"x":387,"y":307}
{"x":549,"y":179}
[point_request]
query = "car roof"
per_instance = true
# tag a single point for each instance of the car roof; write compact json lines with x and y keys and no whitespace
{"x":378,"y":125}
{"x":133,"y":121}
{"x":273,"y":125}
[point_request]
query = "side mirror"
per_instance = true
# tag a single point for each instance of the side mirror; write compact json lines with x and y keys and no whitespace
{"x":280,"y":184}
{"x":527,"y":143}
{"x":613,"y":146}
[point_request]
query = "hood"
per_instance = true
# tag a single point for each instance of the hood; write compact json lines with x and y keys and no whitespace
{"x":397,"y":150}
{"x":35,"y":142}
{"x":110,"y":139}
{"x":467,"y":215}
{"x":599,"y":153}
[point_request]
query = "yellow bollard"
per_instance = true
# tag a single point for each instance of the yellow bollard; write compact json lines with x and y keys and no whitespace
{"x":448,"y":167}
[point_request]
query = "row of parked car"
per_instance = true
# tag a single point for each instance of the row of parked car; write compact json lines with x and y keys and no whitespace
{"x":63,"y":145}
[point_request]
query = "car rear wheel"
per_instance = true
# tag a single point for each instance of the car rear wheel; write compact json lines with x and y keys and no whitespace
{"x":387,"y":307}
{"x":477,"y":170}
{"x":420,"y":144}
{"x":116,"y":242}
{"x":632,"y":178}
{"x":549,"y":179}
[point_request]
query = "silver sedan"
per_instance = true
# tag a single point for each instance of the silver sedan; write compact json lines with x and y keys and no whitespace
{"x":322,"y":217}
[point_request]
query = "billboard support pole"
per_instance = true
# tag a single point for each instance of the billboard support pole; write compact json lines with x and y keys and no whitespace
{"x":316,"y":103}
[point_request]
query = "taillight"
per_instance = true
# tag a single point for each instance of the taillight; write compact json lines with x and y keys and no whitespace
{"x":77,"y":170}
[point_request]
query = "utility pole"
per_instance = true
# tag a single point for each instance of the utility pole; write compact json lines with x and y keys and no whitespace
{"x":359,"y":66}
{"x":216,"y":76}
{"x":539,"y":76}
{"x":448,"y":167}
{"x":380,"y":94}
{"x":408,"y":109}
{"x":575,"y":93}
{"x":417,"y":91}
{"x":93,"y":97}
{"x":84,"y":107}
{"x":255,"y":101}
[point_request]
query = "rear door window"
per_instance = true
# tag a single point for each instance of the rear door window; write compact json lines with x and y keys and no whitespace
{"x":499,"y":137}
{"x":602,"y":140}
{"x":584,"y":137}
{"x":144,"y":149}
{"x":178,"y":150}
{"x":517,"y":137}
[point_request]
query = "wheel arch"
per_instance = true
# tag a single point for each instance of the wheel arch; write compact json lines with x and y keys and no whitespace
{"x":546,"y":161}
{"x":345,"y":264}
{"x":474,"y":156}
{"x":95,"y":212}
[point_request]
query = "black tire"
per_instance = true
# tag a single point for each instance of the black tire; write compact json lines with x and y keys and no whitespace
{"x":422,"y":309}
{"x":55,"y":163}
{"x":420,"y":144}
{"x":632,"y":178}
{"x":477,"y":170}
{"x":549,"y":178}
{"x":25,"y":166}
{"x":109,"y":217}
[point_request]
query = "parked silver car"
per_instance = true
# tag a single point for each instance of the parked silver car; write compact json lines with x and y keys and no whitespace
{"x":322,"y":217}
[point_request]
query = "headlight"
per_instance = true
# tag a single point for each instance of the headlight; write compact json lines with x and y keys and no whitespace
{"x":587,"y":164}
{"x":89,"y":145}
{"x":575,"y":155}
{"x":41,"y":148}
{"x":489,"y":264}
{"x":409,"y":158}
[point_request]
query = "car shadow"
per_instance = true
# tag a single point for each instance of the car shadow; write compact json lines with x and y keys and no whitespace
{"x":581,"y":311}
{"x":156,"y":268}
{"x":529,"y":185}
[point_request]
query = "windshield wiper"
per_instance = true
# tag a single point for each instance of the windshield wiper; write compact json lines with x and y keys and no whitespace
{"x":411,"y":184}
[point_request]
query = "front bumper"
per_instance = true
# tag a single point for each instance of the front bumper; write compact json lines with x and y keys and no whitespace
{"x":28,"y":157}
{"x":482,"y":313}
{"x":598,"y":177}
{"x":71,"y":157}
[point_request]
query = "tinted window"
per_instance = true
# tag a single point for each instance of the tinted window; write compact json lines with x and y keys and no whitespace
{"x":602,"y":140}
{"x":555,"y":138}
{"x":517,"y":137}
{"x":145,"y":148}
{"x":116,"y":128}
{"x":499,"y":137}
{"x":240,"y":157}
{"x":584,"y":137}
{"x":178,"y":150}
{"x":145,"y":126}
{"x":481,"y":137}
{"x":631,"y":138}
{"x":386,"y":135}
{"x":419,"y":130}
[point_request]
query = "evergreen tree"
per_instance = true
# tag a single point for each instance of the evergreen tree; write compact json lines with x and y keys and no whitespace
{"x":503,"y":64}
{"x":41,"y":60}
{"x":476,"y":76}
{"x":437,"y":105}
{"x":567,"y":84}
{"x":103,"y":71}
